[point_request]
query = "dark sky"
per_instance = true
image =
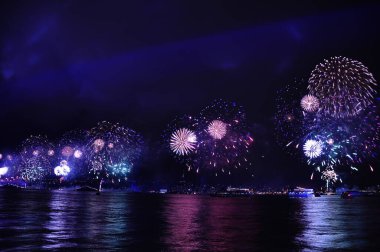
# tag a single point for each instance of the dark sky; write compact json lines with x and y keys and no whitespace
{"x":69,"y":64}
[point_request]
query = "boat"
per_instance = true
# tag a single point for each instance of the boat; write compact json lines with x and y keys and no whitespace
{"x":300,"y":192}
{"x":11,"y":187}
{"x":87,"y":189}
{"x":355,"y":194}
{"x":317,"y":194}
{"x":233,"y":192}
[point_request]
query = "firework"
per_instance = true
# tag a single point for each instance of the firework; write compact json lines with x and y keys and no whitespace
{"x":67,"y":151}
{"x":183,"y":141}
{"x":348,"y":141}
{"x":3,"y":170}
{"x":71,"y":149}
{"x":224,"y":141}
{"x":343,"y":86}
{"x":63,"y":169}
{"x":344,"y":128}
{"x":329,"y":176}
{"x":35,"y":162}
{"x":309,"y":103}
{"x":98,"y":144}
{"x":292,"y":123}
{"x":113,"y":150}
{"x":78,"y":153}
{"x":217,"y":129}
{"x":217,"y":139}
{"x":10,"y":162}
{"x":312,"y":148}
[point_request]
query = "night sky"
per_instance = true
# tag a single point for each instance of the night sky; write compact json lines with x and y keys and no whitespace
{"x":69,"y":64}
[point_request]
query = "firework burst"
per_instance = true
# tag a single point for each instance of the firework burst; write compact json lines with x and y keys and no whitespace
{"x":291,"y":122}
{"x":343,"y":130}
{"x":224,"y":141}
{"x":310,"y":103}
{"x":216,"y":140}
{"x":183,"y":141}
{"x":35,"y":162}
{"x":344,"y":86}
{"x":217,"y":129}
{"x":312,"y":148}
{"x":329,"y":176}
{"x":71,"y":149}
{"x":113,"y":150}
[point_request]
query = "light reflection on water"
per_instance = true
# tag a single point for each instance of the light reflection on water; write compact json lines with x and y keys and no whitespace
{"x":61,"y":220}
{"x":333,"y":223}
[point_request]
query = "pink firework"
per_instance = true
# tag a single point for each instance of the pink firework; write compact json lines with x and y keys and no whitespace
{"x":98,"y":144}
{"x":67,"y":151}
{"x":309,"y":103}
{"x":217,"y":129}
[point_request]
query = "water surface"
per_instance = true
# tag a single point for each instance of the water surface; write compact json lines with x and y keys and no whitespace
{"x":67,"y":220}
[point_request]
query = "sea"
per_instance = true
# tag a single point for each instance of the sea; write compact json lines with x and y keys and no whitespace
{"x":121,"y":221}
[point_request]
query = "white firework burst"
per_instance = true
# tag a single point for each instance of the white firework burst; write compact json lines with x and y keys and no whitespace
{"x":217,"y":129}
{"x":312,"y":148}
{"x":183,"y":141}
{"x":78,"y":154}
{"x":309,"y":103}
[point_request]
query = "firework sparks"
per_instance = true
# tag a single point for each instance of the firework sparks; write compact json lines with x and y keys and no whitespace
{"x":310,"y":103}
{"x":67,"y":151}
{"x":217,"y":139}
{"x":329,"y":176}
{"x":344,"y":128}
{"x":183,"y":141}
{"x":35,"y":162}
{"x":111,"y":148}
{"x":217,"y":129}
{"x":98,"y":145}
{"x":3,"y":170}
{"x":78,"y":153}
{"x":63,"y":169}
{"x":344,"y":86}
{"x":312,"y":148}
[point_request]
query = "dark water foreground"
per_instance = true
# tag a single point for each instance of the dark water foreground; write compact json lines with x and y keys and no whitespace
{"x":61,"y":220}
